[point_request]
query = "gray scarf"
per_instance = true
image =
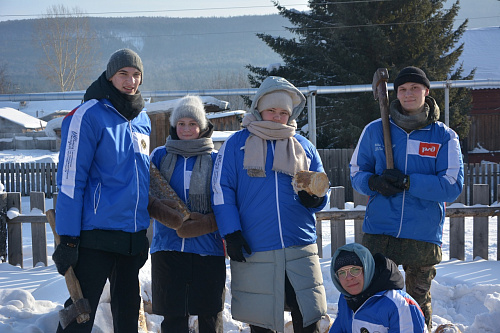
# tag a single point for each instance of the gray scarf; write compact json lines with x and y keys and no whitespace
{"x":289,"y":155}
{"x":199,"y":186}
{"x":429,"y":114}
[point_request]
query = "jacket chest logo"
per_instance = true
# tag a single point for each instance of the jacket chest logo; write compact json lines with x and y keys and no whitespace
{"x":428,"y":149}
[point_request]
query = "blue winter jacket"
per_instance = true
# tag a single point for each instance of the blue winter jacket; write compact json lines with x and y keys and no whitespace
{"x":390,"y":311}
{"x":265,"y":209}
{"x":166,"y":239}
{"x":103,"y":172}
{"x":431,"y":156}
{"x":382,"y":306}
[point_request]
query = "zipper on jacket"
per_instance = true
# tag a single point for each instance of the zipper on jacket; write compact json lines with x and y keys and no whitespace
{"x":136,"y":178}
{"x":97,"y":195}
{"x":277,"y":201}
{"x":185,"y":196}
{"x":404,"y":192}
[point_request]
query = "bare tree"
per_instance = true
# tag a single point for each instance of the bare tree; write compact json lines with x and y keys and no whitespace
{"x":230,"y":80}
{"x":68,"y":45}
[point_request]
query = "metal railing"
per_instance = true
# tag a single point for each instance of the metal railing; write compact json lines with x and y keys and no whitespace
{"x":310,"y":92}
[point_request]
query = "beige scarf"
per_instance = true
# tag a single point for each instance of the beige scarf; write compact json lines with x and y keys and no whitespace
{"x":289,"y":155}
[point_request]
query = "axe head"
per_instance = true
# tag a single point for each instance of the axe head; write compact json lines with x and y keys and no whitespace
{"x":380,"y":76}
{"x":79,"y":310}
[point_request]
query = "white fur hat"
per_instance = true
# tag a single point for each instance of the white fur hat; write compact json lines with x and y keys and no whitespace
{"x":276,"y":99}
{"x":189,"y":107}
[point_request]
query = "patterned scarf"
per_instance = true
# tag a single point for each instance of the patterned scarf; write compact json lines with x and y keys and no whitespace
{"x":289,"y":155}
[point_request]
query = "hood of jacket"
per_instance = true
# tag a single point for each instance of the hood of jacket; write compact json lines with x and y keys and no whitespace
{"x":274,"y":83}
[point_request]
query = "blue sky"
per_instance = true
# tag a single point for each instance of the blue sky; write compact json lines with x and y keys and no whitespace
{"x":481,"y":13}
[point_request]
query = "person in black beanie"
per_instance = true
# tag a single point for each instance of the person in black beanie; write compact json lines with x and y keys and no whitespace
{"x":103,"y":181}
{"x":406,"y":211}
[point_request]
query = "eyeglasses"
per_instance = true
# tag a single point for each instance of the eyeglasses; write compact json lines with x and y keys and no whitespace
{"x":354,"y":271}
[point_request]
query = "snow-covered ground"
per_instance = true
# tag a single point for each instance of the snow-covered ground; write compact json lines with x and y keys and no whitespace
{"x":466,"y":293}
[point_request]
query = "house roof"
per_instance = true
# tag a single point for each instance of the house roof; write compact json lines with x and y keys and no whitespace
{"x":481,"y":50}
{"x":21,"y":118}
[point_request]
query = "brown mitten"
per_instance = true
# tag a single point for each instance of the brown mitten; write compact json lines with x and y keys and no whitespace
{"x":163,"y":211}
{"x":197,"y":225}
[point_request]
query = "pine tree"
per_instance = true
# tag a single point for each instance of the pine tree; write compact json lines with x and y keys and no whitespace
{"x":343,"y":42}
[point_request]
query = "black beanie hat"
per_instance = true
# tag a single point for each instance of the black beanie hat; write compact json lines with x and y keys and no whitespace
{"x":123,"y":58}
{"x":411,"y":74}
{"x":346,"y":258}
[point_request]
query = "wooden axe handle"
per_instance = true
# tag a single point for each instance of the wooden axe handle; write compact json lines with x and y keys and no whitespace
{"x":74,"y":288}
{"x":381,"y":93}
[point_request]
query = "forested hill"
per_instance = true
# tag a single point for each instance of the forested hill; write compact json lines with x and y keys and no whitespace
{"x":178,"y":53}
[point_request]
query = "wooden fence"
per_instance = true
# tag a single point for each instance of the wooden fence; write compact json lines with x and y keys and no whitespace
{"x":337,"y":217}
{"x":480,"y":212}
{"x":41,"y":177}
{"x":28,"y":177}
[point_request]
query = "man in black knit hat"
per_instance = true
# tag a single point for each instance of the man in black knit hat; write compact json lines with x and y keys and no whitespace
{"x":406,"y":211}
{"x":103,"y":180}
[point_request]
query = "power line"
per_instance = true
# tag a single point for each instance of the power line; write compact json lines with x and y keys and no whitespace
{"x":255,"y":32}
{"x":194,"y":9}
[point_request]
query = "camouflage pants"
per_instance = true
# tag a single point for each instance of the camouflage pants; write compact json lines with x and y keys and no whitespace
{"x":417,"y":258}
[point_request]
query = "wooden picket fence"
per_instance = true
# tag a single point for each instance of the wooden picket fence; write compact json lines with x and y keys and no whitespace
{"x":41,"y":177}
{"x":28,"y":177}
{"x":480,"y":212}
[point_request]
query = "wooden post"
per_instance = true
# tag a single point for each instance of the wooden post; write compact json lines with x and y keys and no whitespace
{"x":38,"y":230}
{"x":15,"y":232}
{"x":3,"y":226}
{"x":480,"y":223}
{"x":337,"y":227}
{"x":498,"y":223}
{"x":319,"y":237}
{"x":359,"y":199}
{"x":457,"y":233}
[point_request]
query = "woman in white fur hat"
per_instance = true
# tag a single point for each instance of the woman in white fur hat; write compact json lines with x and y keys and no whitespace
{"x":188,"y":264}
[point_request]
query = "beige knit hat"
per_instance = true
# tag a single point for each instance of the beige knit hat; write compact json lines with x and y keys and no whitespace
{"x":276,"y":99}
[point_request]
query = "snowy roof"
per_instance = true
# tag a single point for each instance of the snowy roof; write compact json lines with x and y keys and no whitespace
{"x":481,"y":51}
{"x":41,"y":108}
{"x":167,"y":106}
{"x":21,"y":118}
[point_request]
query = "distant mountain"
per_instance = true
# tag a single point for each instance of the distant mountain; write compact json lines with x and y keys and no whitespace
{"x":178,"y":53}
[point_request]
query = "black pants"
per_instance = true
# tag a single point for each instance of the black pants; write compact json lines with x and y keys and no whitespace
{"x":93,"y":269}
{"x":206,"y":324}
{"x":297,"y":320}
{"x":186,"y":284}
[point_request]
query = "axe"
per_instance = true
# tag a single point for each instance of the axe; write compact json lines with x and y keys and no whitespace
{"x":379,"y":87}
{"x":80,"y":309}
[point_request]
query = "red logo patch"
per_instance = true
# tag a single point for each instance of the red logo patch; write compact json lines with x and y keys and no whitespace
{"x":428,"y":149}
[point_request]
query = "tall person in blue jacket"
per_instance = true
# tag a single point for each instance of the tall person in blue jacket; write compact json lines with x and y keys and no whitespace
{"x":269,"y":230}
{"x":103,"y":180}
{"x":406,"y":211}
{"x":371,"y":295}
{"x":188,"y":264}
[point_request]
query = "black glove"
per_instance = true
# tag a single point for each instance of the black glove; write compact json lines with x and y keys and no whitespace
{"x":234,"y":244}
{"x":66,"y":253}
{"x":310,"y":201}
{"x":397,"y":178}
{"x":382,"y":185}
